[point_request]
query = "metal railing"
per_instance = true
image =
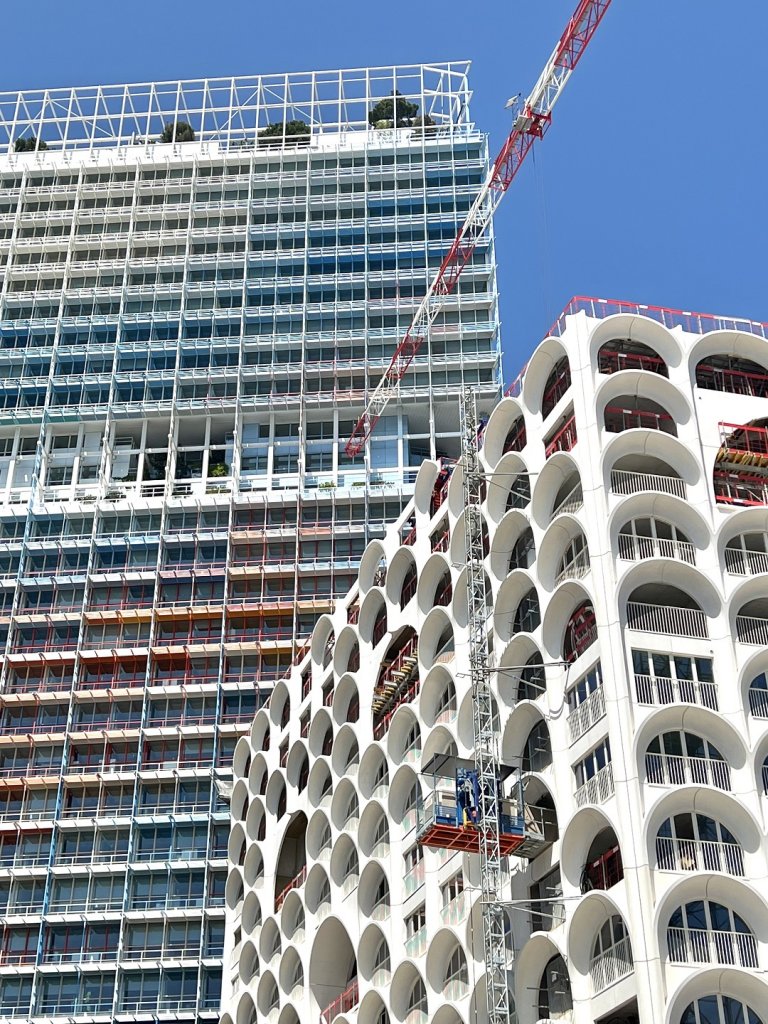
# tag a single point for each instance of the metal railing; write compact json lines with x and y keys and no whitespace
{"x":674,"y":854}
{"x":563,"y":440}
{"x":348,"y":999}
{"x":680,"y":769}
{"x":586,"y":714}
{"x":739,"y":562}
{"x":598,"y":789}
{"x":294,"y":883}
{"x":618,"y":419}
{"x":708,"y":946}
{"x":575,"y":569}
{"x":611,"y":966}
{"x":752,"y":630}
{"x":572,"y":502}
{"x":669,"y":620}
{"x":604,"y":872}
{"x":417,"y":943}
{"x":665,"y":690}
{"x":625,"y":481}
{"x":634,"y":548}
{"x":758,"y":702}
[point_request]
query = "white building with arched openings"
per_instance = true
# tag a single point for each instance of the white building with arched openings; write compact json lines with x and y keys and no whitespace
{"x":626,"y":510}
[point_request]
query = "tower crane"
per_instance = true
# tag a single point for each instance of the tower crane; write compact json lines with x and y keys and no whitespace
{"x":531,"y":121}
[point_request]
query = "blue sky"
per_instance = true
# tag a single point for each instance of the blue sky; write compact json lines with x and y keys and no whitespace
{"x":650,"y":185}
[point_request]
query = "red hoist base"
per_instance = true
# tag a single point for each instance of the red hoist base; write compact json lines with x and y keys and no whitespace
{"x":466,"y":838}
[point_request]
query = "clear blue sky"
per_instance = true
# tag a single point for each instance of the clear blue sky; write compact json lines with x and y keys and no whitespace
{"x":650,"y":186}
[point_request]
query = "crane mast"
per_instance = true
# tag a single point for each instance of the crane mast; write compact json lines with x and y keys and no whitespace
{"x":485,"y":732}
{"x":532,"y":120}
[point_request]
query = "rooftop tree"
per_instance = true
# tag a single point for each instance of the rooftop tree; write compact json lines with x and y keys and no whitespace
{"x":178,"y":131}
{"x":393,"y":111}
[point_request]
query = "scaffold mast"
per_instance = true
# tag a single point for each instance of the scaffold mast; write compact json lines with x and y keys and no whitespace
{"x":532,"y":119}
{"x":485,"y":733}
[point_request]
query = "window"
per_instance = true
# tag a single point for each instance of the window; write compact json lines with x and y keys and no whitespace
{"x":668,"y":678}
{"x":703,"y":931}
{"x":582,"y":688}
{"x":696,"y":842}
{"x":452,"y":889}
{"x":678,"y":757}
{"x":719,"y":1009}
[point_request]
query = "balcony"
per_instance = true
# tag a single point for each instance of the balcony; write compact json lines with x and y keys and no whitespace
{"x":297,"y":881}
{"x":614,"y":360}
{"x":660,"y":690}
{"x":572,"y":502}
{"x":604,"y":872}
{"x":751,"y":630}
{"x":611,"y":966}
{"x":598,"y":789}
{"x":705,"y":946}
{"x":667,"y":619}
{"x":575,"y":569}
{"x":563,"y":440}
{"x":699,"y":855}
{"x":586,"y":714}
{"x":734,"y":488}
{"x":742,"y":562}
{"x":619,"y":418}
{"x":636,"y":549}
{"x":625,"y":482}
{"x":454,"y":912}
{"x":414,"y":878}
{"x":681,"y":770}
{"x":417,"y":943}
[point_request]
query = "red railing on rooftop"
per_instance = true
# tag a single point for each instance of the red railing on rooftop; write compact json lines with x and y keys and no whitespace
{"x":694,"y":323}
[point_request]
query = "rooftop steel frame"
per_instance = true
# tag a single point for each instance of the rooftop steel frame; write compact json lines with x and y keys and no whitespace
{"x":230,"y":111}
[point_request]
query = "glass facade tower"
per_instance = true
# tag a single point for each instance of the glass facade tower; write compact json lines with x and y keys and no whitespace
{"x":188,"y":332}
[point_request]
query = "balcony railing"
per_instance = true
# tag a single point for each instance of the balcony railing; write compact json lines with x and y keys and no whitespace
{"x":563,"y":440}
{"x":611,"y":966}
{"x":295,"y":882}
{"x":612,"y":362}
{"x":417,"y":943}
{"x":734,"y":382}
{"x":414,"y":878}
{"x":604,"y":872}
{"x":660,"y":690}
{"x":737,"y":437}
{"x":618,"y":419}
{"x":572,"y":502}
{"x":455,"y":910}
{"x":680,"y":769}
{"x":751,"y":630}
{"x":667,"y":619}
{"x":734,"y":488}
{"x":739,"y":562}
{"x":758,"y":702}
{"x":699,"y":855}
{"x":575,"y":569}
{"x":707,"y":946}
{"x":598,"y":789}
{"x":624,"y":481}
{"x":636,"y":549}
{"x":342,"y":1005}
{"x":586,"y":714}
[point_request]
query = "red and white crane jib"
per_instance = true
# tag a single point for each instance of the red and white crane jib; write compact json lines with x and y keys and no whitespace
{"x":530,"y":124}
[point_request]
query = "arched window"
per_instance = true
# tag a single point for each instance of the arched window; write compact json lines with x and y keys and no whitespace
{"x":719,"y":1009}
{"x":524,"y":551}
{"x":381,"y":962}
{"x":648,"y":537}
{"x":537,"y":753}
{"x":381,"y":778}
{"x":532,"y":682}
{"x":580,"y":633}
{"x":758,"y":696}
{"x":558,"y":382}
{"x":555,"y":990}
{"x":678,"y":758}
{"x":380,"y":837}
{"x":412,"y":743}
{"x":611,"y":954}
{"x":575,"y":560}
{"x":456,"y":980}
{"x":351,"y":870}
{"x":696,"y":842}
{"x":703,"y":931}
{"x":527,"y":616}
{"x":417,"y":1002}
{"x":747,"y":554}
{"x":446,"y":705}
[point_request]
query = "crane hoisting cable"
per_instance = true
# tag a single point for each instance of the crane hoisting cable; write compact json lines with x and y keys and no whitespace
{"x":531,"y":122}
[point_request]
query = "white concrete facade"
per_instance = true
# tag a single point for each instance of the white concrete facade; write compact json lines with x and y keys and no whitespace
{"x":627,"y":518}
